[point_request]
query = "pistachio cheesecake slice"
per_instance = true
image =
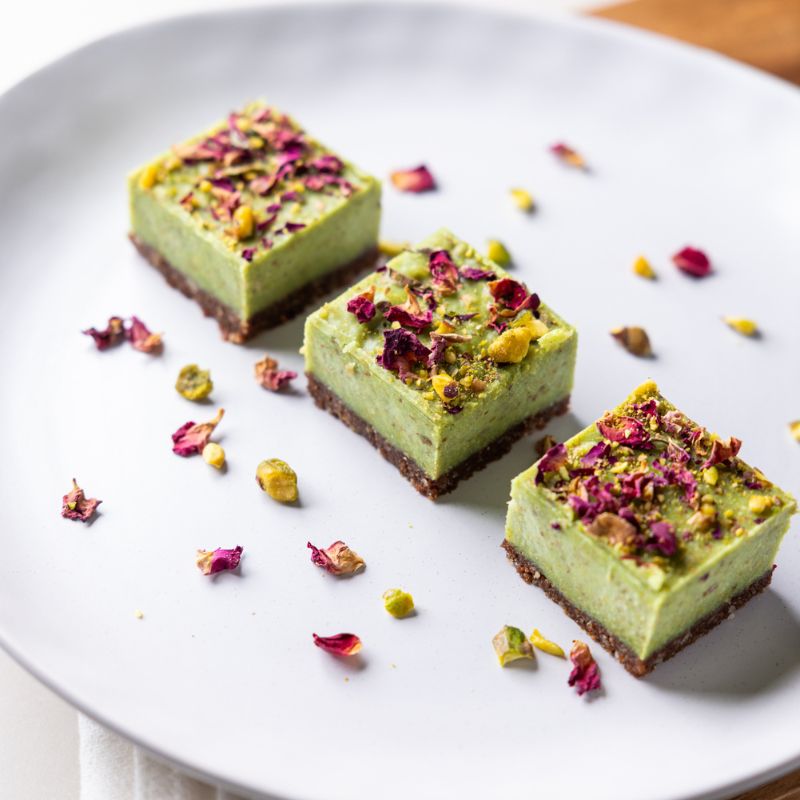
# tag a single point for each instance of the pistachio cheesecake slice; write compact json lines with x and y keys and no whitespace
{"x":647,"y":529}
{"x":440,"y":360}
{"x":254,"y":219}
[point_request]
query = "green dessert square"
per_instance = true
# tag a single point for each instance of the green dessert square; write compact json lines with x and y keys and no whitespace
{"x":441,"y":360}
{"x":646,"y":528}
{"x":254,"y":219}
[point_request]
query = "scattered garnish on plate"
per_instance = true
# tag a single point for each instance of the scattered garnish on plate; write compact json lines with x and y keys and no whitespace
{"x":747,"y":327}
{"x":496,"y":251}
{"x":568,"y":155}
{"x":545,"y":645}
{"x":214,"y":455}
{"x":523,"y":199}
{"x":693,"y":262}
{"x":211,"y":562}
{"x":191,"y":438}
{"x":338,"y":559}
{"x":634,"y":339}
{"x":585,"y":675}
{"x":141,"y":339}
{"x":110,"y":336}
{"x":138,"y":614}
{"x":270,"y":377}
{"x":194,"y":383}
{"x":794,"y":430}
{"x":75,"y":504}
{"x":418,"y":179}
{"x":340,"y":644}
{"x":277,"y":479}
{"x":510,"y":644}
{"x":643,"y":268}
{"x":398,"y":603}
{"x":392,"y":249}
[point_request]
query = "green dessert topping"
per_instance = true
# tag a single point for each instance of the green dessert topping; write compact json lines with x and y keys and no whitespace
{"x":194,"y":383}
{"x":510,"y":644}
{"x":656,"y":487}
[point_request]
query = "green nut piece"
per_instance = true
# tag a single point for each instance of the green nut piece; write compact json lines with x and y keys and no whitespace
{"x":278,"y":480}
{"x":194,"y":383}
{"x":511,"y":644}
{"x":398,"y":603}
{"x":497,"y":252}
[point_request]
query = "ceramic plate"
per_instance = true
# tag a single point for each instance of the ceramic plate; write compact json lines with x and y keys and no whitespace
{"x":221,"y":675}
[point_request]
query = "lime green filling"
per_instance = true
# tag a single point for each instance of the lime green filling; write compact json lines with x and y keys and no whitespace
{"x":649,"y":601}
{"x":338,"y":228}
{"x":340,"y":352}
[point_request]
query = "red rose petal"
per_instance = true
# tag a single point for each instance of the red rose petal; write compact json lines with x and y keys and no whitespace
{"x":693,"y":262}
{"x":75,"y":505}
{"x":341,"y":644}
{"x":414,"y":180}
{"x":191,"y":438}
{"x":585,"y":676}
{"x":211,"y":562}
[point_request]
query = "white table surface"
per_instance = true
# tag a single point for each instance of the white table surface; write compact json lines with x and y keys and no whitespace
{"x":38,"y":730}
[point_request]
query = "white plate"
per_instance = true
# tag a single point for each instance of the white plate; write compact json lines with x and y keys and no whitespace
{"x":221,"y":675}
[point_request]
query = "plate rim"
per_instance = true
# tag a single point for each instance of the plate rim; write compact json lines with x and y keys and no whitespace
{"x":569,"y":20}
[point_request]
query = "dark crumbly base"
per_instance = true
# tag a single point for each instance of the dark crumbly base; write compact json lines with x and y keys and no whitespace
{"x":530,"y":573}
{"x":423,"y":483}
{"x":231,"y":326}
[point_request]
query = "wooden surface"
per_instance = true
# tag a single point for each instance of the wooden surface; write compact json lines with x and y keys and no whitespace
{"x":765,"y":34}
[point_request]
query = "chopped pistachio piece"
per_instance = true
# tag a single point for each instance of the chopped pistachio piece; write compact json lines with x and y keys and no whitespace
{"x":278,"y":480}
{"x":392,"y":249}
{"x":794,"y":429}
{"x":398,"y":603}
{"x":741,"y":325}
{"x":522,"y":199}
{"x":545,"y":645}
{"x":445,"y":387}
{"x":244,"y":222}
{"x":643,"y":268}
{"x":496,"y":251}
{"x":510,"y":644}
{"x":214,"y":455}
{"x":511,"y":346}
{"x":634,"y":339}
{"x":149,"y":177}
{"x":194,"y":383}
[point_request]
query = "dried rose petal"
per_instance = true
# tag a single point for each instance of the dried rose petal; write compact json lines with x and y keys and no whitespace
{"x":444,"y":272}
{"x":362,"y":306}
{"x":595,"y":453}
{"x":76,"y":505}
{"x":191,"y":438}
{"x":270,"y":377}
{"x":585,"y":676}
{"x":141,"y":339}
{"x":552,"y":460}
{"x":410,"y":314}
{"x":663,"y":539}
{"x":113,"y":334}
{"x":692,"y":262}
{"x":401,"y":349}
{"x":414,"y":180}
{"x":475,"y":274}
{"x":212,"y":561}
{"x":625,"y":430}
{"x":341,"y":644}
{"x":338,"y":559}
{"x":722,"y":451}
{"x":568,"y":155}
{"x":635,"y":340}
{"x":512,"y":294}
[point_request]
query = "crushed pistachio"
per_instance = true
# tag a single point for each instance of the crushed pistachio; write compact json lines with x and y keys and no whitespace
{"x":194,"y":383}
{"x":148,"y":177}
{"x":794,"y":430}
{"x":278,"y":480}
{"x":711,"y":476}
{"x":511,"y":644}
{"x":634,"y":339}
{"x":747,"y":327}
{"x":496,"y":251}
{"x":759,"y":503}
{"x":392,"y":249}
{"x":214,"y":455}
{"x":244,"y":222}
{"x":511,"y":346}
{"x":445,"y":387}
{"x":643,"y":268}
{"x":522,"y":199}
{"x":398,"y":603}
{"x":138,"y":614}
{"x":545,"y":645}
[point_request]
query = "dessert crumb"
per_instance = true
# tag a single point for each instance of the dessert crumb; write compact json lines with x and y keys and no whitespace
{"x":138,"y":614}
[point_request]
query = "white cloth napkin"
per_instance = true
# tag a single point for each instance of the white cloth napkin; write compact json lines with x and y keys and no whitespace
{"x":112,"y":768}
